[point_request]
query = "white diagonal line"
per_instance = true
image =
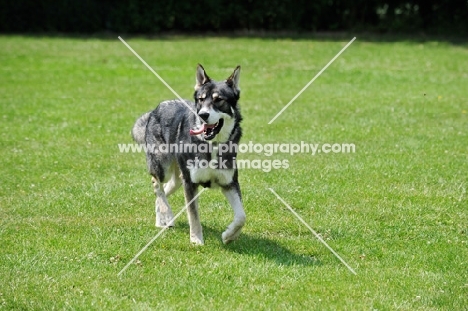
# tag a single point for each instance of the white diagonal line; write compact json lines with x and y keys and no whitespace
{"x":160,"y":232}
{"x":159,"y":77}
{"x":311,"y":81}
{"x":313,"y":231}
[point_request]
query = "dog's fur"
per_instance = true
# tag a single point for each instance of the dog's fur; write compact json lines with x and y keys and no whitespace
{"x":175,"y":122}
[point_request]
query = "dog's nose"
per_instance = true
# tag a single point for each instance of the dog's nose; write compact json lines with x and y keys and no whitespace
{"x":204,"y":115}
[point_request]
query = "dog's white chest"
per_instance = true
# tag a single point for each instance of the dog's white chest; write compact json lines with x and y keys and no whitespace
{"x":214,"y":172}
{"x":204,"y":171}
{"x":221,"y":177}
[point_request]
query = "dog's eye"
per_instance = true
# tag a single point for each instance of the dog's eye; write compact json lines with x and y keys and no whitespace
{"x":218,"y":99}
{"x":201,"y":97}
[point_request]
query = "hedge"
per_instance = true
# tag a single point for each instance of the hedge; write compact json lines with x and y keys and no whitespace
{"x":150,"y":17}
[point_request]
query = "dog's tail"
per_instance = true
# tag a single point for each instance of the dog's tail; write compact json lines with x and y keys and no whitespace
{"x":139,"y":129}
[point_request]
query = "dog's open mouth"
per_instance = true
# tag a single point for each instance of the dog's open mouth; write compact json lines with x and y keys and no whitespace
{"x":209,"y":130}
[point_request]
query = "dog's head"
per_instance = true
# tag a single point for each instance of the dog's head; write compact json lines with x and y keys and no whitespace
{"x":216,"y":104}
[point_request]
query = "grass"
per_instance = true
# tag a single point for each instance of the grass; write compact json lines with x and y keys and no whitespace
{"x":74,"y":210}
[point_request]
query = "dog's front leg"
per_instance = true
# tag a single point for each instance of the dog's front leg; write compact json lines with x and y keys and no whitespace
{"x":233,"y":194}
{"x":196,"y":231}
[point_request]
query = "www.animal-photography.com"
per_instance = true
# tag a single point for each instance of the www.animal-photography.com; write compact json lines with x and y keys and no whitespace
{"x":233,"y":156}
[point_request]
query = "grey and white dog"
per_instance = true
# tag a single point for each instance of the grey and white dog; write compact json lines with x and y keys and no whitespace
{"x":207,"y":131}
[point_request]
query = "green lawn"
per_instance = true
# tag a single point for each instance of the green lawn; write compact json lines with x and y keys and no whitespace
{"x":74,"y":210}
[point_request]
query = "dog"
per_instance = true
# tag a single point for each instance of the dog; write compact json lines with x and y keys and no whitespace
{"x":207,"y":126}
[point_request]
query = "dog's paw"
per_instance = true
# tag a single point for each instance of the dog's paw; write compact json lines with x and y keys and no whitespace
{"x":231,"y":234}
{"x":163,"y":220}
{"x":196,"y":240}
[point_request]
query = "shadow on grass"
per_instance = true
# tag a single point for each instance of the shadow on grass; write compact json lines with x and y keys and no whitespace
{"x":344,"y":36}
{"x":263,"y":249}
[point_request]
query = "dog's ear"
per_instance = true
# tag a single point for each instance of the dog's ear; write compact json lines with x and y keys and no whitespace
{"x":233,"y":80}
{"x":201,"y":77}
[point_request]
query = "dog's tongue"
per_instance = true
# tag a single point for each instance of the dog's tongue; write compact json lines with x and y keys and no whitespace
{"x":196,"y":132}
{"x":201,"y":129}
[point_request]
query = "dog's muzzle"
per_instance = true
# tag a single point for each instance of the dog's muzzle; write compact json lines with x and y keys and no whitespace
{"x":209,"y":130}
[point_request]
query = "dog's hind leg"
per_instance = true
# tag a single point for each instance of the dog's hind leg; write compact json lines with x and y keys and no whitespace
{"x":196,"y":231}
{"x":174,"y":183}
{"x":164,"y":214}
{"x":233,"y":194}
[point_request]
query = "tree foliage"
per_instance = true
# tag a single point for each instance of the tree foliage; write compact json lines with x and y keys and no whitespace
{"x":149,"y":16}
